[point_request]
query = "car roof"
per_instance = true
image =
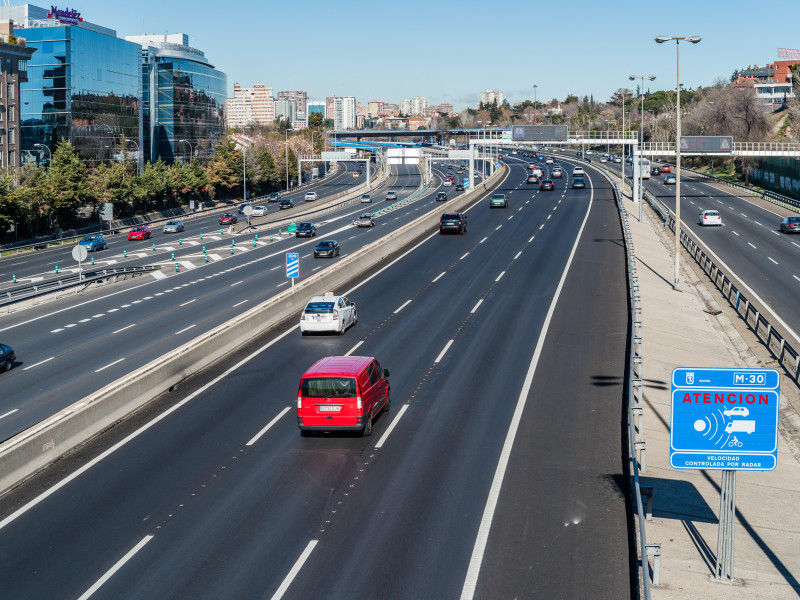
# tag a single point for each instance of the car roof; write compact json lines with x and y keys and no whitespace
{"x":324,"y":299}
{"x":305,"y":224}
{"x":339,"y":365}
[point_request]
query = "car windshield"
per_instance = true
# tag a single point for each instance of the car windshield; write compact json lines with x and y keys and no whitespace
{"x":325,"y":245}
{"x":171,"y":223}
{"x":793,"y":219}
{"x":449,"y":216}
{"x":89,"y":238}
{"x":328,"y":387}
{"x":497,"y":196}
{"x":306,"y":225}
{"x":711,"y":213}
{"x":319,"y":307}
{"x":365,"y":216}
{"x":365,"y":196}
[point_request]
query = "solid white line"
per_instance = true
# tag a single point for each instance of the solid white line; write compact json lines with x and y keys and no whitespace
{"x":185,"y":329}
{"x":39,"y":363}
{"x":499,"y":277}
{"x":474,"y":308}
{"x":444,"y":350}
{"x":239,"y":303}
{"x":124,"y":328}
{"x":237,"y":283}
{"x":773,"y":260}
{"x":406,"y":303}
{"x":110,"y":365}
{"x":11,"y":412}
{"x":463,"y":257}
{"x":189,"y":302}
{"x":295,"y":570}
{"x":354,"y":348}
{"x":438,"y":277}
{"x":120,"y":563}
{"x":267,"y":426}
{"x":476,"y":560}
{"x":749,"y":244}
{"x":391,"y":427}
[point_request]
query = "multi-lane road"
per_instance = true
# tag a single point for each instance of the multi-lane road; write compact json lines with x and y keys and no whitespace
{"x":500,"y":470}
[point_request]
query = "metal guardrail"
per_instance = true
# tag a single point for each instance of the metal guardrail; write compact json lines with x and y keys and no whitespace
{"x":28,"y":292}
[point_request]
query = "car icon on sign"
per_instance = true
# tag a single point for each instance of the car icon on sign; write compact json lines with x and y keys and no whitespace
{"x":736,"y":411}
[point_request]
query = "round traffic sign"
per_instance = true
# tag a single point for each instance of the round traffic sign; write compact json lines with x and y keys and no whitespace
{"x":248,"y":210}
{"x":79,"y":253}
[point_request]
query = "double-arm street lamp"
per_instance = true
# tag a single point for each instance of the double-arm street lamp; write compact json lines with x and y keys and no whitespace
{"x":641,"y":135}
{"x":660,"y":40}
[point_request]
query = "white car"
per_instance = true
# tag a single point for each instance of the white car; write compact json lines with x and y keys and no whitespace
{"x":448,"y":182}
{"x":589,"y":152}
{"x":577,"y":171}
{"x":736,"y":411}
{"x":311,"y":196}
{"x":328,"y":313}
{"x":259,"y":211}
{"x":709,"y":217}
{"x":549,"y":160}
{"x":617,"y":159}
{"x":365,"y":198}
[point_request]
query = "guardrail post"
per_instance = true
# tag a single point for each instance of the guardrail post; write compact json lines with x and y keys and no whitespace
{"x":638,"y":415}
{"x":654,"y":550}
{"x":647,"y":492}
{"x":641,"y":446}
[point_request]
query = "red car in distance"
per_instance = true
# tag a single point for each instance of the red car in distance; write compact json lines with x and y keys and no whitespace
{"x":139,"y":233}
{"x":227,"y":219}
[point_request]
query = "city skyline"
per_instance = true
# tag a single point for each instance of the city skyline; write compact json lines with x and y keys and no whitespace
{"x":321,"y":60}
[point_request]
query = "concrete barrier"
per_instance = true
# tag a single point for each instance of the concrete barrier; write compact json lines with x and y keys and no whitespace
{"x":39,"y":446}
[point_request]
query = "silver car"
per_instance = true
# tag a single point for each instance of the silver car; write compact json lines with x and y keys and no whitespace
{"x":391,"y":195}
{"x":173,"y":227}
{"x":366,"y":198}
{"x":365,"y":220}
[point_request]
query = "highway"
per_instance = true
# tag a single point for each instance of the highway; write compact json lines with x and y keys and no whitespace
{"x":500,"y":470}
{"x":749,"y":243}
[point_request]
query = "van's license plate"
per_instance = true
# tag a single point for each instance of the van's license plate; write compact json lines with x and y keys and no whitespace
{"x":329,"y":408}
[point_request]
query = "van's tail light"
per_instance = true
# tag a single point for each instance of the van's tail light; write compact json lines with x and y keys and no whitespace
{"x":299,"y":403}
{"x":358,"y":402}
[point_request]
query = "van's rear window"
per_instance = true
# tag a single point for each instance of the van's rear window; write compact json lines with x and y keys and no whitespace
{"x":328,"y":387}
{"x":319,"y":307}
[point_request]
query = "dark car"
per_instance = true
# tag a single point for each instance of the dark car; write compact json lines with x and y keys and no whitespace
{"x":790,"y":225}
{"x":228,"y":219}
{"x":453,"y":222}
{"x":274,"y":197}
{"x":441,"y":196}
{"x":243,"y":206}
{"x":532,"y":179}
{"x":7,"y":357}
{"x":305,"y":229}
{"x":578,"y":183}
{"x":459,"y":187}
{"x":286,"y":203}
{"x":328,"y":248}
{"x":655,"y":171}
{"x":547,"y":185}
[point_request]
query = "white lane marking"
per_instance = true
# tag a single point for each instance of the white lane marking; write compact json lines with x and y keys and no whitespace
{"x":775,"y":232}
{"x":277,"y":418}
{"x":124,"y":328}
{"x":284,"y":283}
{"x":518,"y":254}
{"x":70,"y":325}
{"x":548,"y":217}
{"x":511,"y":217}
{"x":98,"y":315}
{"x":476,"y":560}
{"x":757,"y":223}
{"x":275,"y":268}
{"x":189,"y":302}
{"x":793,"y":244}
{"x":499,"y":277}
{"x":498,"y":227}
{"x":391,"y":427}
{"x":444,"y":351}
{"x":239,"y":303}
{"x":796,"y":277}
{"x":741,"y":213}
{"x":117,"y":566}
{"x":237,"y":283}
{"x":773,"y":260}
{"x":406,"y":303}
{"x":530,"y":240}
{"x":541,"y":226}
{"x":113,"y":310}
{"x":185,"y":329}
{"x":474,"y":308}
{"x":295,"y":570}
{"x":354,"y":348}
{"x":734,"y":233}
{"x":751,"y":245}
{"x":483,"y":240}
{"x":84,"y":320}
{"x":11,"y":412}
{"x":125,"y":306}
{"x":110,"y":365}
{"x":315,"y":268}
{"x":465,"y":256}
{"x":438,"y":277}
{"x":39,"y":363}
{"x":57,"y":330}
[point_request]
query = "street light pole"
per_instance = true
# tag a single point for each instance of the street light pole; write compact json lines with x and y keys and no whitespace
{"x":137,"y":152}
{"x":191,"y":157}
{"x":534,"y":103}
{"x":49,"y":154}
{"x":641,"y":136}
{"x":660,"y":40}
{"x":287,"y":157}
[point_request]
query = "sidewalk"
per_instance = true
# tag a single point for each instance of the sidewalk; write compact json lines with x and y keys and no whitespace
{"x":682,"y":328}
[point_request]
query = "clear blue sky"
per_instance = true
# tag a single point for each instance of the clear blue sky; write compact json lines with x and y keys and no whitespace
{"x":451,"y":51}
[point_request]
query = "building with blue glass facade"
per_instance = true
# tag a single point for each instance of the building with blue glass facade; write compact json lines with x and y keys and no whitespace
{"x":183,"y":98}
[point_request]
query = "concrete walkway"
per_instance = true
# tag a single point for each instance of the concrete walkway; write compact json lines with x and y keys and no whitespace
{"x":694,"y":327}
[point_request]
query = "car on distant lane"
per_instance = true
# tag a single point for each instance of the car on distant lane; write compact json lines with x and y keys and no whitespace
{"x":305,"y":229}
{"x":655,"y":171}
{"x":259,"y":211}
{"x":532,"y":179}
{"x":242,"y":207}
{"x":709,"y":217}
{"x":327,"y":248}
{"x":365,"y":220}
{"x":547,"y":185}
{"x":93,"y":242}
{"x":577,"y":172}
{"x":557,"y":173}
{"x":790,"y":225}
{"x":328,"y":313}
{"x":310,"y":196}
{"x":274,"y":197}
{"x":175,"y":226}
{"x":453,"y":222}
{"x":459,"y":187}
{"x":285,"y":203}
{"x":366,"y":198}
{"x":228,"y":219}
{"x":498,"y":201}
{"x":441,"y":197}
{"x":578,"y":183}
{"x":666,"y":169}
{"x":139,"y":233}
{"x":7,"y":357}
{"x":391,"y":195}
{"x":670,"y":179}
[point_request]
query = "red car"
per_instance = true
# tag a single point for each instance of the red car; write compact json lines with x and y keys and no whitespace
{"x":227,"y":219}
{"x":547,"y":185}
{"x":666,"y":169}
{"x":139,"y":233}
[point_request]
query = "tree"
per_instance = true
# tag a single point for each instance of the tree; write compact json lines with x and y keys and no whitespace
{"x":225,"y":168}
{"x":10,"y":205}
{"x":68,"y":184}
{"x":316,"y":120}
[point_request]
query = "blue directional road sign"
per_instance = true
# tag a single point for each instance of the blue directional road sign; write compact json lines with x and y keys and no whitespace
{"x":466,"y":183}
{"x":724,"y":419}
{"x":292,"y":264}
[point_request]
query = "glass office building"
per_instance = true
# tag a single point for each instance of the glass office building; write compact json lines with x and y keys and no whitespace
{"x":83,"y":84}
{"x":183,"y":99}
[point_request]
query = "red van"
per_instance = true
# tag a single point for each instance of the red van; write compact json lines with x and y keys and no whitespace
{"x":342,"y":393}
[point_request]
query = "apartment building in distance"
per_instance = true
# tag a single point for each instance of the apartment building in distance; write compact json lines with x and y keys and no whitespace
{"x":772,"y":83}
{"x":492,"y":96}
{"x":14,"y":55}
{"x":251,"y":106}
{"x":300,"y":101}
{"x":414,"y":106}
{"x":374,"y":108}
{"x":344,"y":112}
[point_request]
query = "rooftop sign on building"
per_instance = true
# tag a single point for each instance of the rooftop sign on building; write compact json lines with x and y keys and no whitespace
{"x":69,"y":16}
